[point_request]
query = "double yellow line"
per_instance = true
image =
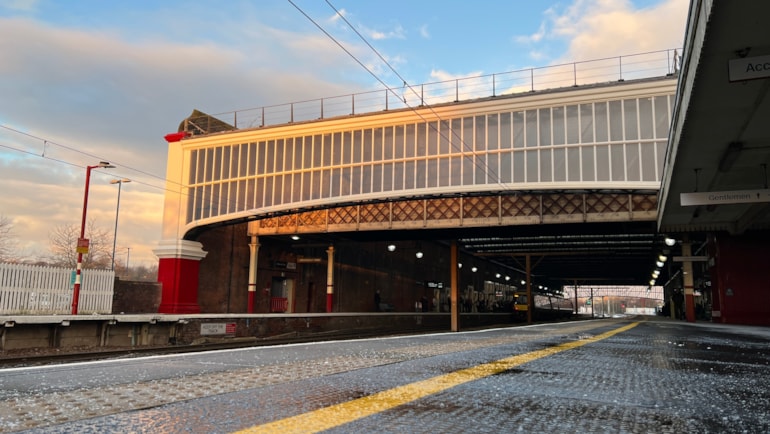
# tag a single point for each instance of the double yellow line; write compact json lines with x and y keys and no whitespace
{"x":339,"y":414}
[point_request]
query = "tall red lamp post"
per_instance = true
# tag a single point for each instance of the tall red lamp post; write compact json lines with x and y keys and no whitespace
{"x":82,"y":242}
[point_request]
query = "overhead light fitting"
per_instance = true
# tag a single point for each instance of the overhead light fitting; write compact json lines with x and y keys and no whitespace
{"x":391,"y":247}
{"x":474,"y":269}
{"x":418,"y":255}
{"x":669,"y":241}
{"x":662,"y":258}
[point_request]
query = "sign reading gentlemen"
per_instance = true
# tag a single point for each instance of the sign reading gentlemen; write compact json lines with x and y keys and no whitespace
{"x":749,"y":68}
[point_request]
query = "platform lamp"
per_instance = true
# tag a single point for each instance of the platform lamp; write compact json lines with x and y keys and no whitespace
{"x":82,"y":241}
{"x":120,"y":183}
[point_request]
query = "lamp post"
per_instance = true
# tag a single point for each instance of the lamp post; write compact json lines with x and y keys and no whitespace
{"x":82,"y":242}
{"x":117,"y":211}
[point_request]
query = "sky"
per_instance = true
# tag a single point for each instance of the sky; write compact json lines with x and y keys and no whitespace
{"x":89,"y":80}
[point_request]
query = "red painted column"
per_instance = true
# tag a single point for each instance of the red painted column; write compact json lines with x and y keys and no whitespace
{"x":329,"y":279}
{"x":178,"y":267}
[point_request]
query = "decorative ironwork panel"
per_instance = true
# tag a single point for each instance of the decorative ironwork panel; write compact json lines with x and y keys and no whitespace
{"x":481,"y":207}
{"x":644,"y":202}
{"x":443,"y":209}
{"x":272,"y":222}
{"x":606,"y":203}
{"x":524,"y":205}
{"x":411,"y":210}
{"x":343,"y":215}
{"x":562,"y":204}
{"x":312,"y":218}
{"x":375,"y":213}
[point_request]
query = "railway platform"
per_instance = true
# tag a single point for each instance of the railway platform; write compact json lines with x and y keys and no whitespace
{"x":626,"y":375}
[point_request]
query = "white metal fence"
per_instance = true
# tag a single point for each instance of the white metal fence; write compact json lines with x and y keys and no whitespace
{"x":36,"y":290}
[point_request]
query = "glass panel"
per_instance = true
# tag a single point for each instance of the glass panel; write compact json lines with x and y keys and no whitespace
{"x":420,"y":170}
{"x":455,"y":171}
{"x":661,"y":117}
{"x":602,"y":163}
{"x":277,"y":190}
{"x":559,"y":165}
{"x":244,"y":156}
{"x":252,"y":159}
{"x":376,"y":178}
{"x":198,"y":203}
{"x":345,"y":182}
{"x":378,"y":153}
{"x":600,"y":118}
{"x":545,"y":127}
{"x":232,"y":196}
{"x":444,"y":178}
{"x":432,"y":134}
{"x":296,"y":188}
{"x":661,"y":150}
{"x":546,"y":174}
{"x":481,"y":169}
{"x":618,"y":162}
{"x":227,"y":163}
{"x":393,"y":149}
{"x":357,"y":146}
{"x":254,"y":196}
{"x":234,"y":160}
{"x":398,"y":175}
{"x":298,"y":153}
{"x":308,"y":152}
{"x":366,"y":179}
{"x":317,"y":151}
{"x":432,"y":172}
{"x":492,"y":133}
{"x":573,"y":164}
{"x":347,"y":147}
{"x":468,"y":166}
{"x":270,"y":163}
{"x":444,"y":138}
{"x":633,"y":172}
{"x":558,"y":125}
{"x":409,"y":139}
{"x":632,"y":129}
{"x":267,"y":197}
{"x":586,"y":123}
{"x":326,"y":145}
{"x":589,"y":165}
{"x":355,"y":175}
{"x":648,"y":162}
{"x":326,"y":183}
{"x":532,"y":166}
{"x":493,"y":172}
{"x":573,"y":125}
{"x":421,"y":140}
{"x":193,"y":168}
{"x":531,"y":132}
{"x":242,"y":203}
{"x":518,"y":130}
{"x":288,"y":154}
{"x":334,"y":188}
{"x":279,"y":158}
{"x":616,"y":121}
{"x":209,"y":165}
{"x":315,"y":188}
{"x":506,"y":168}
{"x":260,"y":159}
{"x":506,"y":137}
{"x":518,"y":167}
{"x":287,"y":189}
{"x":646,"y":129}
{"x":306,"y":184}
{"x":367,"y":157}
{"x":217,"y":164}
{"x":336,"y":149}
{"x":480,"y":134}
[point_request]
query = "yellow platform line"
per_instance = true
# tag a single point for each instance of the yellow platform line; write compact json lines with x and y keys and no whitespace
{"x":339,"y":414}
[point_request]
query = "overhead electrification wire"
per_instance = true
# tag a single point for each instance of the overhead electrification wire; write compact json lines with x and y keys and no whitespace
{"x":463,"y":148}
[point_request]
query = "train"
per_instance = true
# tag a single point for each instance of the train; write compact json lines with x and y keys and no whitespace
{"x":547,"y":307}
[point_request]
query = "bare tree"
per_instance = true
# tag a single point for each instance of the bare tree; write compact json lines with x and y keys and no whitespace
{"x":63,"y":241}
{"x":8,"y":240}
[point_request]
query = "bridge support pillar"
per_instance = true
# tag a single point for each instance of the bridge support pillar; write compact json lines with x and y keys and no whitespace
{"x":178,"y":266}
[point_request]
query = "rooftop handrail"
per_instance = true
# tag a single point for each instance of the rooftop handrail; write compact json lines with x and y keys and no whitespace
{"x":620,"y":68}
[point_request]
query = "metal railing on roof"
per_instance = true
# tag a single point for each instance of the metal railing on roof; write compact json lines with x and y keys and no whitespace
{"x":636,"y":66}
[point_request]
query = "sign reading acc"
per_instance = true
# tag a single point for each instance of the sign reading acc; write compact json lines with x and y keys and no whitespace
{"x":749,"y":68}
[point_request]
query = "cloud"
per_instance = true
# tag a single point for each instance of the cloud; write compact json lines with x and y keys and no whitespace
{"x":104,"y":96}
{"x":603,"y":28}
{"x":424,"y":32}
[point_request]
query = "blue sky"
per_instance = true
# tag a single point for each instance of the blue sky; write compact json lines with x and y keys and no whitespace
{"x":102,"y":80}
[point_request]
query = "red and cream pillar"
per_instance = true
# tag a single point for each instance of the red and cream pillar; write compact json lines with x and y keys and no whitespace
{"x":329,"y":278}
{"x":689,"y":290}
{"x":178,"y":266}
{"x":253,"y":251}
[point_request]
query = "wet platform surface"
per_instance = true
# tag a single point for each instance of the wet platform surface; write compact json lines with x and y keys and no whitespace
{"x":633,"y":375}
